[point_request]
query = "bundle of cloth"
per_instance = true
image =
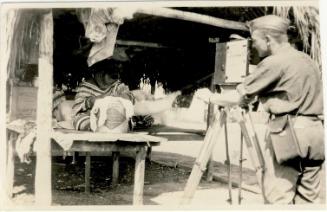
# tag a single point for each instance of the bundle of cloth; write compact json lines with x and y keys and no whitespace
{"x":101,"y":27}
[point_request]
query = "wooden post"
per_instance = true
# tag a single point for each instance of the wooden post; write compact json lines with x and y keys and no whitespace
{"x":139,"y":176}
{"x":43,"y":193}
{"x":203,"y":157}
{"x":194,"y":17}
{"x":10,"y":171}
{"x":87,"y":172}
{"x":7,"y":30}
{"x":115,"y":168}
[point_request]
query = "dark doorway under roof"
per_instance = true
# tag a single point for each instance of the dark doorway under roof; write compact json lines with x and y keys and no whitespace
{"x":184,"y":53}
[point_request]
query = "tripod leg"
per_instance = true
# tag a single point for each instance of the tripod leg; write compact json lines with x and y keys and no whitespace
{"x":203,"y":157}
{"x":228,"y":163}
{"x":210,"y":169}
{"x":254,"y":150}
{"x":241,"y":171}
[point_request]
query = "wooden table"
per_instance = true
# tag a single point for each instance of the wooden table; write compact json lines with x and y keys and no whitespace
{"x":97,"y":142}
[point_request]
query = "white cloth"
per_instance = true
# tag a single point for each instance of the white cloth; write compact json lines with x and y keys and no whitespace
{"x":98,"y":114}
{"x":24,"y":145}
{"x":101,"y":27}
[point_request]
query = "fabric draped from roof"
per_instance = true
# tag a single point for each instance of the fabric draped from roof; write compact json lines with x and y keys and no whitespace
{"x":101,"y":27}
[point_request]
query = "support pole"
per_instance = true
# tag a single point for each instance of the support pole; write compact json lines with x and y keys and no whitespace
{"x":8,"y":18}
{"x":43,"y":193}
{"x":10,"y":164}
{"x":194,"y":17}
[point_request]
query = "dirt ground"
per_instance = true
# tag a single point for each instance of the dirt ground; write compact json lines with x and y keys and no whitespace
{"x":68,"y":182}
{"x":165,"y":177}
{"x":164,"y":184}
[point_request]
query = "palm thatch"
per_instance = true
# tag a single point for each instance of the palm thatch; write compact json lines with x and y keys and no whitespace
{"x":23,"y":38}
{"x":306,"y":20}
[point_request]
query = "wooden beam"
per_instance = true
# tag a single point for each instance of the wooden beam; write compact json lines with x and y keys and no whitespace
{"x":140,"y":43}
{"x":190,"y":16}
{"x":43,"y":193}
{"x":10,"y":169}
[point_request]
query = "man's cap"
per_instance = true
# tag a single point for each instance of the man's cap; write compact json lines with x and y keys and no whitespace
{"x":269,"y":22}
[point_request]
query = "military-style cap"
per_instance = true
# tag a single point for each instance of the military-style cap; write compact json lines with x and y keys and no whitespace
{"x":270,"y":22}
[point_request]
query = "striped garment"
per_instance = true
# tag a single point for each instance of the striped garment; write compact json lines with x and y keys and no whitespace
{"x":57,"y":98}
{"x":81,"y":111}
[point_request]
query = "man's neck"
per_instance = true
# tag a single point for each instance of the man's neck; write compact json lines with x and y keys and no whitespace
{"x":280,"y":47}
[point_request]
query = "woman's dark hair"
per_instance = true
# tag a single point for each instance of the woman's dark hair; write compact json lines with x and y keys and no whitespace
{"x":106,"y":66}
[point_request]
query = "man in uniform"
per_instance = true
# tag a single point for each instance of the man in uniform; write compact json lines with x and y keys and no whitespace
{"x":288,"y":84}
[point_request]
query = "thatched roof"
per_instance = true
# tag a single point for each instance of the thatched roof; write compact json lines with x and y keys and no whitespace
{"x":187,"y":53}
{"x":306,"y":20}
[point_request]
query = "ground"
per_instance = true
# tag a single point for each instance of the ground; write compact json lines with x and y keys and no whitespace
{"x":164,"y":184}
{"x":68,"y":182}
{"x":165,"y":177}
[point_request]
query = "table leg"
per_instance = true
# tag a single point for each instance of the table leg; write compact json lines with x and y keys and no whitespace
{"x":139,"y":176}
{"x":87,"y":172}
{"x":115,"y":168}
{"x":10,"y":169}
{"x":148,"y":154}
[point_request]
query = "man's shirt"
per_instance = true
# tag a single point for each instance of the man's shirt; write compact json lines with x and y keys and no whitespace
{"x":286,"y":82}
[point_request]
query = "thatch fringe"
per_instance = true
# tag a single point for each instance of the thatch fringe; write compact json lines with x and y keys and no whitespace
{"x":306,"y":19}
{"x":23,"y":33}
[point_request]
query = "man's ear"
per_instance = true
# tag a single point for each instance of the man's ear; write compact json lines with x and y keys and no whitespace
{"x":267,"y":38}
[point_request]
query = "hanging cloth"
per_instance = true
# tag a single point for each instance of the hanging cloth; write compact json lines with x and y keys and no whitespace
{"x":101,"y":27}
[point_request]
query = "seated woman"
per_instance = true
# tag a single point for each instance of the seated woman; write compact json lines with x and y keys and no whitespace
{"x":105,"y":82}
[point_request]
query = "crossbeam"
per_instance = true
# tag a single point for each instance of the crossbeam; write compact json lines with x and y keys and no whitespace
{"x":190,"y":16}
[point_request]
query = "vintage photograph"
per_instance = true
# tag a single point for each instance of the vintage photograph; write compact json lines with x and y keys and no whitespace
{"x":171,"y":105}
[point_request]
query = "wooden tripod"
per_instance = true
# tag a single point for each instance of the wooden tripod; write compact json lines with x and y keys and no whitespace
{"x":251,"y":141}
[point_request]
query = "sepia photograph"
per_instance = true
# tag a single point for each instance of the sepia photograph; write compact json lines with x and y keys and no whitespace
{"x":162,"y":105}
